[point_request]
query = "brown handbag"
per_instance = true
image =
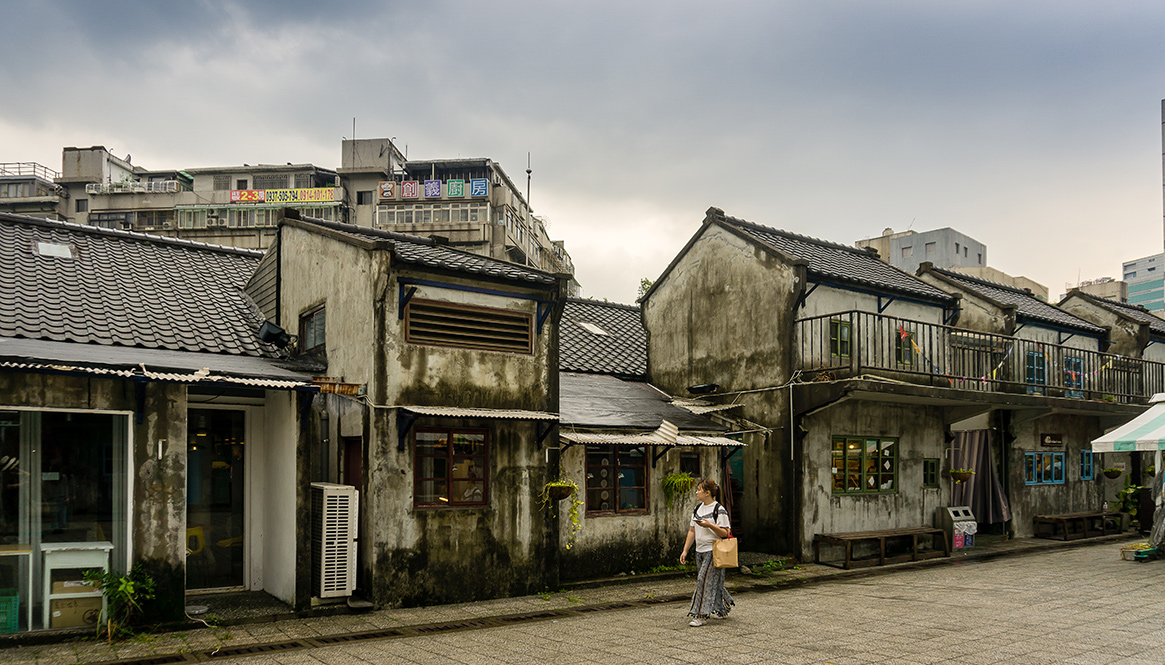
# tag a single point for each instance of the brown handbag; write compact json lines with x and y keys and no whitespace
{"x":724,"y":552}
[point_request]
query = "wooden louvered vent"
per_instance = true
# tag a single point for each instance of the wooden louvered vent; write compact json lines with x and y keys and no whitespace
{"x":463,"y":326}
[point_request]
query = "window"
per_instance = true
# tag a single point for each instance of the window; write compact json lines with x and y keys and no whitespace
{"x":1086,"y":465}
{"x":463,"y":326}
{"x":907,"y":252}
{"x":1035,"y":372}
{"x":269,"y":181}
{"x":839,"y":339}
{"x":451,"y":468}
{"x":956,"y":249}
{"x":302,"y":180}
{"x":13,"y":190}
{"x":312,"y":330}
{"x":364,"y":198}
{"x":241,"y":184}
{"x":930,"y":472}
{"x":965,"y":254}
{"x":865,"y":465}
{"x":616,"y":480}
{"x":904,"y":347}
{"x":980,"y":258}
{"x":1074,"y":376}
{"x":690,"y":464}
{"x":930,"y":248}
{"x":222,"y":182}
{"x":82,"y":205}
{"x":1043,"y":468}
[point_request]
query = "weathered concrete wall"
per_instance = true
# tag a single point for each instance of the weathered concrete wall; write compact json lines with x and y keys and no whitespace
{"x":920,"y":434}
{"x":976,"y":312}
{"x":611,"y":544}
{"x":830,"y":300}
{"x":1128,"y":337}
{"x":1075,"y":494}
{"x":723,"y":314}
{"x":158,"y":517}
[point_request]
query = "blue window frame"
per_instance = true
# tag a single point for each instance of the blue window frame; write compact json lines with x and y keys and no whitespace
{"x":1035,"y":372}
{"x":1086,"y":465}
{"x":1043,"y":468}
{"x":1074,"y":376}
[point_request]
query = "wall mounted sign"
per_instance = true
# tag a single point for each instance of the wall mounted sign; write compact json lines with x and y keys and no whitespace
{"x":1052,"y":440}
{"x":313,"y":195}
{"x":432,"y":189}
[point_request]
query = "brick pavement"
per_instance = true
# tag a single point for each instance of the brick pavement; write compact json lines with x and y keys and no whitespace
{"x":1063,"y":605}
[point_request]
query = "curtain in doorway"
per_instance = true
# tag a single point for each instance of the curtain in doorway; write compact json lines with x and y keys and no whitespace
{"x":983,"y":492}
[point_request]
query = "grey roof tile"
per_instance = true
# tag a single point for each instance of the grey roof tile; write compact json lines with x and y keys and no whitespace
{"x":127,"y":289}
{"x":1027,"y":306}
{"x":1134,"y":312}
{"x":622,"y":351}
{"x":841,"y":263}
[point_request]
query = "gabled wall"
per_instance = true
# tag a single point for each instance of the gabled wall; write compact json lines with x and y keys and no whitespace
{"x":1128,"y":337}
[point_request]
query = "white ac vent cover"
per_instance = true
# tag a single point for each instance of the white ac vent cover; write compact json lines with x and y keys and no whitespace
{"x":334,"y":530}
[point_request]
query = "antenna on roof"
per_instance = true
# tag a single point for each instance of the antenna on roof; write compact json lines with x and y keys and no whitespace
{"x":528,"y":172}
{"x":353,"y":128}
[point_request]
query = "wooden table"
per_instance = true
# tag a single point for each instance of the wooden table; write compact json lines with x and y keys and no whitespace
{"x":1070,"y":526}
{"x":880,"y":537}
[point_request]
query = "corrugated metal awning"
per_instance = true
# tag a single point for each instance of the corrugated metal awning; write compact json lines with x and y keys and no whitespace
{"x":203,"y":375}
{"x":700,"y":407}
{"x":468,"y":412}
{"x":1145,"y":432}
{"x":648,"y":439}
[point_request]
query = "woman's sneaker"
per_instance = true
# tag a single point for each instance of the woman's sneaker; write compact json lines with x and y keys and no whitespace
{"x":697,"y":622}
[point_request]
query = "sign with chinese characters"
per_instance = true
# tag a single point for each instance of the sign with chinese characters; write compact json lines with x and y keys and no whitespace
{"x":388,"y":189}
{"x":432,"y":189}
{"x":1052,"y":440}
{"x":313,"y":195}
{"x":410,"y":189}
{"x":455,"y":188}
{"x":478,"y":187}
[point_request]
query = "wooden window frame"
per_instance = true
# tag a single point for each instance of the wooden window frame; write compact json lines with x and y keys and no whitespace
{"x":448,"y":478}
{"x":687,"y":457}
{"x":308,"y":318}
{"x":930,"y":472}
{"x":617,"y":452}
{"x":854,"y":449}
{"x":904,"y":348}
{"x":1087,"y":465}
{"x":1073,"y":376}
{"x":1037,"y":471}
{"x":467,"y":312}
{"x":836,"y":341}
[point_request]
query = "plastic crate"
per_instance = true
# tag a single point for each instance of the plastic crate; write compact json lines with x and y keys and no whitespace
{"x":9,"y":613}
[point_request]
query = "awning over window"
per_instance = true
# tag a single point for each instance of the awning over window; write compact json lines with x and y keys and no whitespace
{"x":469,"y":412}
{"x":1145,"y":432}
{"x":648,"y":439}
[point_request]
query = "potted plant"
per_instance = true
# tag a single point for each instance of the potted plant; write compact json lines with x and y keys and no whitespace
{"x":1112,"y":472}
{"x":557,"y":490}
{"x":676,"y":485}
{"x":961,"y":475}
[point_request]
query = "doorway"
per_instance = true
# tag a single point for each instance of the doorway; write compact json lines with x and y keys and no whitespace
{"x":215,"y":475}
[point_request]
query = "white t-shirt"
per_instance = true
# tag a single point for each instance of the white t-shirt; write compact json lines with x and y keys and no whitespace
{"x":704,"y":535}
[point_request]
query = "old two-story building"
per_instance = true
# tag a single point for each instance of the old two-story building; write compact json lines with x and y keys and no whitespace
{"x":450,"y":359}
{"x":622,"y":440}
{"x":143,"y":420}
{"x":869,"y":388}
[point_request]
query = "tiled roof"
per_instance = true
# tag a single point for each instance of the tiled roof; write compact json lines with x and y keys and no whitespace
{"x":426,"y":252}
{"x":1027,"y":306}
{"x":1134,"y":312}
{"x":841,"y":263}
{"x":69,"y":282}
{"x":583,"y":346}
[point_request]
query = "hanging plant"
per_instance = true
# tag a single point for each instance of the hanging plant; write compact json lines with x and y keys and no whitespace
{"x":557,"y":490}
{"x":1112,"y":472}
{"x":676,"y":485}
{"x":961,"y":475}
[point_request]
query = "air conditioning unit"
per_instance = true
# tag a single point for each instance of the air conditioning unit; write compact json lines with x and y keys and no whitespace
{"x":334,"y":531}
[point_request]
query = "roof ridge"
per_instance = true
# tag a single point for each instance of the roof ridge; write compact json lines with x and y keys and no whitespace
{"x":603,"y":303}
{"x":89,"y":229}
{"x":981,"y":280}
{"x":797,"y":236}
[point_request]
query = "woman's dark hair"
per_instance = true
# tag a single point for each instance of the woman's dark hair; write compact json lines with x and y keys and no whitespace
{"x":710,"y":486}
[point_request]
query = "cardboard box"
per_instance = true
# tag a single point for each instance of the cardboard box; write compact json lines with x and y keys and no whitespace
{"x":74,"y":612}
{"x":73,"y":586}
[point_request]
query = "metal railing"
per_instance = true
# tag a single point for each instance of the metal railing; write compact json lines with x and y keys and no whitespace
{"x":155,"y":187}
{"x":852,"y":343}
{"x":28,"y":168}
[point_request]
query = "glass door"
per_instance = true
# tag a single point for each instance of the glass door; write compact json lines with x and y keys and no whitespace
{"x":214,"y":499}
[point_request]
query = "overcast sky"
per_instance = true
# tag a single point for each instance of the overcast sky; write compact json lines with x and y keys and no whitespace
{"x":1033,"y":127}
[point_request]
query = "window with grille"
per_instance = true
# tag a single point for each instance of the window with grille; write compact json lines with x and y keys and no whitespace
{"x":222,"y":182}
{"x":450,"y":468}
{"x":1043,"y":468}
{"x":463,"y":326}
{"x":616,"y":480}
{"x":865,"y":465}
{"x":303,"y":181}
{"x":269,"y":181}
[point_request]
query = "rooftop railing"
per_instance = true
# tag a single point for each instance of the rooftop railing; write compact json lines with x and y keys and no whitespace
{"x":28,"y":169}
{"x":155,"y":187}
{"x":853,"y":343}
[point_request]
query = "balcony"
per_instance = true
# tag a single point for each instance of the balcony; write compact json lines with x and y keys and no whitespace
{"x":156,"y":187}
{"x":853,"y":343}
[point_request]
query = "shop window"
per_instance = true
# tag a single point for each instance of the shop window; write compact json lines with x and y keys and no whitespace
{"x":1043,"y":468}
{"x":930,"y":472}
{"x":616,"y":480}
{"x":865,"y":465}
{"x":450,"y":468}
{"x":1086,"y":465}
{"x":312,"y":330}
{"x":486,"y":328}
{"x":839,"y":339}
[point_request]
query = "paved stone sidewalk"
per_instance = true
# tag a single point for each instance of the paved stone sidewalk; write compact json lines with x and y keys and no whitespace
{"x":641,"y":589}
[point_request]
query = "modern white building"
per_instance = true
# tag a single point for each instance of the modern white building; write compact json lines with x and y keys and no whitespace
{"x":944,"y":248}
{"x":1146,"y":279}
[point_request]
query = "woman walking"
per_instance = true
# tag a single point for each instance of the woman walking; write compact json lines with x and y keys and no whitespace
{"x":709,"y":522}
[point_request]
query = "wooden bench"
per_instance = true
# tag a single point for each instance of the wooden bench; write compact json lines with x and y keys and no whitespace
{"x":901,"y":535}
{"x":1070,"y":526}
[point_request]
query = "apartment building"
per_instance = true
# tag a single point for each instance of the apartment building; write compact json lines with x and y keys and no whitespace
{"x":29,"y":188}
{"x":1146,"y":279}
